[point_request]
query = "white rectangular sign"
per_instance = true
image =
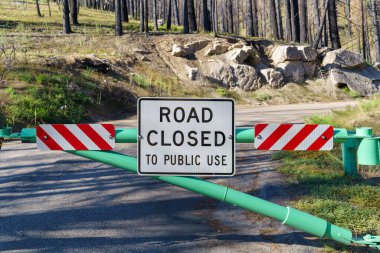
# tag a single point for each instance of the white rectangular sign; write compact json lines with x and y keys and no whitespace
{"x":186,"y":136}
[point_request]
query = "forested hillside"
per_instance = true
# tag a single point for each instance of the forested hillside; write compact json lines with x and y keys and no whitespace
{"x":112,"y":52}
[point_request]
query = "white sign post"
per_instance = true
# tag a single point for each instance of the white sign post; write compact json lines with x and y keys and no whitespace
{"x":186,"y":137}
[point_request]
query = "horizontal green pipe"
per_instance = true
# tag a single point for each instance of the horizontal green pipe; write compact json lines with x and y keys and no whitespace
{"x":243,"y":135}
{"x":289,"y":216}
{"x":129,"y":135}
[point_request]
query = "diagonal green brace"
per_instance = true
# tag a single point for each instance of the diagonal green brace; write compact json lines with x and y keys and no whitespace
{"x":287,"y":215}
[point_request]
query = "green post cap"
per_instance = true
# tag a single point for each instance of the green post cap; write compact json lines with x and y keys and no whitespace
{"x":5,"y":132}
{"x":369,"y":151}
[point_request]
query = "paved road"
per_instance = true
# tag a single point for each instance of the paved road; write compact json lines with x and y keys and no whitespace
{"x":56,"y":202}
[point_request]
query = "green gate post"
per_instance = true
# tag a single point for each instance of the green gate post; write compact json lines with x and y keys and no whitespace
{"x":350,"y":149}
{"x":349,"y":157}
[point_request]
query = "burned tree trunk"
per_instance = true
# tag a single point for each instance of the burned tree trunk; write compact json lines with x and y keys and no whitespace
{"x":303,"y":21}
{"x":376,"y":27}
{"x":118,"y":26}
{"x":333,"y":25}
{"x":66,"y":18}
{"x":288,"y":26}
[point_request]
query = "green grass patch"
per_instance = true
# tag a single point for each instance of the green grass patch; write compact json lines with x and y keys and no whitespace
{"x":262,"y":97}
{"x":227,"y":93}
{"x":323,"y":190}
{"x":366,"y":114}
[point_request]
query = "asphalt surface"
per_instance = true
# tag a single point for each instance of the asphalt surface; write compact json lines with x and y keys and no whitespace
{"x":57,"y":202}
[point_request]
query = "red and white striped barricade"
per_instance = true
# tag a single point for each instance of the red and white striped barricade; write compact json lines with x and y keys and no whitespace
{"x":75,"y":137}
{"x":293,"y":137}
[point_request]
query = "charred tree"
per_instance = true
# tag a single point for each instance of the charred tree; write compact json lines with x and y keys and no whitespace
{"x":66,"y":17}
{"x":206,"y":17}
{"x":295,"y":20}
{"x":118,"y":20}
{"x":333,"y":25}
{"x":146,"y":16}
{"x":376,"y":28}
{"x":142,"y":16}
{"x":38,"y":9}
{"x":124,"y":10}
{"x":288,"y":26}
{"x":186,"y":28}
{"x":192,"y":17}
{"x":348,"y":16}
{"x":273,"y":19}
{"x":230,"y":16}
{"x":322,"y":25}
{"x":155,"y":16}
{"x":176,"y":13}
{"x":169,"y":19}
{"x":302,"y":21}
{"x":279,"y":20}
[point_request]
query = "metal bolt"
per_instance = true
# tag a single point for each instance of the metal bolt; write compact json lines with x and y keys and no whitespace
{"x":230,"y":137}
{"x":140,"y":137}
{"x":259,"y":137}
{"x":111,"y":137}
{"x":324,"y":137}
{"x":46,"y":137}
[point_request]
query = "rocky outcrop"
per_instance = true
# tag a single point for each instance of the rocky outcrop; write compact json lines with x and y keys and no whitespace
{"x":342,"y":58}
{"x":272,"y":77}
{"x":294,"y":62}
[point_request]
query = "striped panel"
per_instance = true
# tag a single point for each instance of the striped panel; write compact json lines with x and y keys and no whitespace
{"x":293,"y":137}
{"x":75,"y":137}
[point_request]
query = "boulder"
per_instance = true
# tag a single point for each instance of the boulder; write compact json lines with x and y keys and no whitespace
{"x":308,"y":54}
{"x":236,"y":45}
{"x":141,"y":50}
{"x":376,"y":65}
{"x":309,"y":68}
{"x":197,"y":45}
{"x":179,"y":51}
{"x":217,"y":49}
{"x":144,"y":58}
{"x":242,"y":76}
{"x":273,"y":77}
{"x":239,"y":55}
{"x":247,"y":78}
{"x":365,"y":81}
{"x":343,"y":58}
{"x":192,"y":73}
{"x":89,"y":61}
{"x":292,"y":70}
{"x":281,"y":54}
{"x":223,"y":73}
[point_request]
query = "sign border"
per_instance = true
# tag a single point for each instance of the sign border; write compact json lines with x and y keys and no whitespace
{"x":186,"y":174}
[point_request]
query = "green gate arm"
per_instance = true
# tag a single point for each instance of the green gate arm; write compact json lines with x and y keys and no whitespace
{"x":129,"y":135}
{"x":287,"y":215}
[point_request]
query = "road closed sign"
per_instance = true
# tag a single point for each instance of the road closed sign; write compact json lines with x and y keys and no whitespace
{"x":186,"y":137}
